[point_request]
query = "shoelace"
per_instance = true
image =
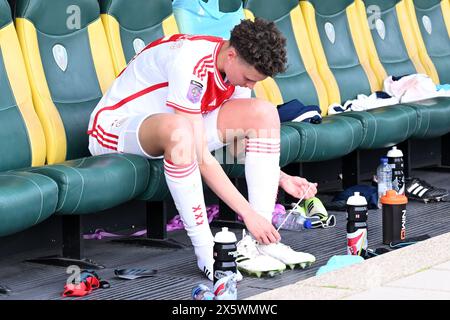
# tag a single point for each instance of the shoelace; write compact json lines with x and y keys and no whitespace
{"x":295,"y":207}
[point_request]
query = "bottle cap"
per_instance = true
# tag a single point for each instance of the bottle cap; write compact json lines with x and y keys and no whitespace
{"x":392,"y":197}
{"x":225,"y":236}
{"x":395,"y":153}
{"x":357,"y":200}
{"x":307,"y":224}
{"x":384,"y":160}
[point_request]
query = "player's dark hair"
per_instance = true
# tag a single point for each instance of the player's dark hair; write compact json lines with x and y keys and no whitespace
{"x":261,"y":45}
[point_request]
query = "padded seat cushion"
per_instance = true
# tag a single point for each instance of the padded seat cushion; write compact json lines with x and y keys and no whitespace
{"x":386,"y":126}
{"x":26,"y":199}
{"x":157,"y":189}
{"x":97,"y":183}
{"x":333,"y":138}
{"x":433,"y":117}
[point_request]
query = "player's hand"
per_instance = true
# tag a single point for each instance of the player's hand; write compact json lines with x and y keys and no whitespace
{"x":261,"y":229}
{"x":296,"y":187}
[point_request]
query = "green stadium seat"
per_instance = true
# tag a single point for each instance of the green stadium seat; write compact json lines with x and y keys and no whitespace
{"x":334,"y":30}
{"x":302,"y":81}
{"x":69,"y":68}
{"x":131,"y":25}
{"x":431,"y":24}
{"x":26,"y":199}
{"x":393,"y":51}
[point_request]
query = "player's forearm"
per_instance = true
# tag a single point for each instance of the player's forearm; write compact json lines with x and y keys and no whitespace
{"x":220,"y":184}
{"x":283,"y":176}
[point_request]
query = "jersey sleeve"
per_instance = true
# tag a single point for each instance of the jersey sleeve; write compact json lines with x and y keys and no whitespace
{"x":186,"y":89}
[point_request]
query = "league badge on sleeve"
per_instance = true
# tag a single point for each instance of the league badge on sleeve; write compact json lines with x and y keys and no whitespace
{"x":194,"y":91}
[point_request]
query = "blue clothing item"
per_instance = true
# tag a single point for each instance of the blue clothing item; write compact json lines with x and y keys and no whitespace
{"x":198,"y":17}
{"x":396,"y":78}
{"x":338,"y":262}
{"x":445,"y":87}
{"x":369,"y":192}
{"x":382,"y":95}
{"x":294,"y":110}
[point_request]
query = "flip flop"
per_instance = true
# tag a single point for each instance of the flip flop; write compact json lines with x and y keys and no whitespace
{"x":131,"y":274}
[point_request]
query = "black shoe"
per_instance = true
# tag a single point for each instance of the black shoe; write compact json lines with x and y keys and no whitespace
{"x":417,"y":189}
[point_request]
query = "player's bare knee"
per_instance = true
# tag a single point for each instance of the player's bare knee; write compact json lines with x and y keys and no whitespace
{"x":266,"y":115}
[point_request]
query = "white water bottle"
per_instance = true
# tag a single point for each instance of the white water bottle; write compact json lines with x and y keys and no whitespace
{"x":395,"y":160}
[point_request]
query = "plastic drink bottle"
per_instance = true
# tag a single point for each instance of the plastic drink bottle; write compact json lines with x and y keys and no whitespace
{"x":384,"y":177}
{"x":225,"y":267}
{"x":394,"y":217}
{"x":356,"y":225}
{"x":395,"y":160}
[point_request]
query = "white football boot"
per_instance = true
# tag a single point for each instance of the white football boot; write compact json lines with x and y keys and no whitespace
{"x":286,"y":255}
{"x":252,"y":262}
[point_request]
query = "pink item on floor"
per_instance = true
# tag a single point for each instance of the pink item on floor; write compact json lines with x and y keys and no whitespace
{"x":175,"y":223}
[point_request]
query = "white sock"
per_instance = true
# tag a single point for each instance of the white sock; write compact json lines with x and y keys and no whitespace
{"x":185,"y":185}
{"x":205,"y":260}
{"x":262,"y":173}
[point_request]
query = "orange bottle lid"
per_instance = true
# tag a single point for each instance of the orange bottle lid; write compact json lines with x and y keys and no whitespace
{"x":392,"y":197}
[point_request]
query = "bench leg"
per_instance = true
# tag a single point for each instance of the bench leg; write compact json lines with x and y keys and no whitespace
{"x":72,"y":248}
{"x":351,"y":169}
{"x":156,"y":213}
{"x":405,"y":146}
{"x":445,"y":150}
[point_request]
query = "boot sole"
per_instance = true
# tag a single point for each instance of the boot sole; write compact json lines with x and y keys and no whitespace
{"x":300,"y":265}
{"x":259,"y":274}
{"x":428,"y":200}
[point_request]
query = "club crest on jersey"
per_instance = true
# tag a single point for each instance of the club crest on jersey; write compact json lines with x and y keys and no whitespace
{"x":194,"y":91}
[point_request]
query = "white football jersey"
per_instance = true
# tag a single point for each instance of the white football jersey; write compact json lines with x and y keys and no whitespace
{"x":177,"y":72}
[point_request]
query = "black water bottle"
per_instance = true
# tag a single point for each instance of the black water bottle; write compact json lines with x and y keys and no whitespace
{"x":395,"y":160}
{"x":225,"y":252}
{"x":356,"y":225}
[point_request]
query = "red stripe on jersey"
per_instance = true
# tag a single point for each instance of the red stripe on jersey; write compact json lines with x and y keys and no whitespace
{"x":201,"y":61}
{"x":128,"y":99}
{"x":205,"y":70}
{"x":155,"y":43}
{"x":181,"y":36}
{"x":173,"y":38}
{"x":181,"y":108}
{"x":201,"y":37}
